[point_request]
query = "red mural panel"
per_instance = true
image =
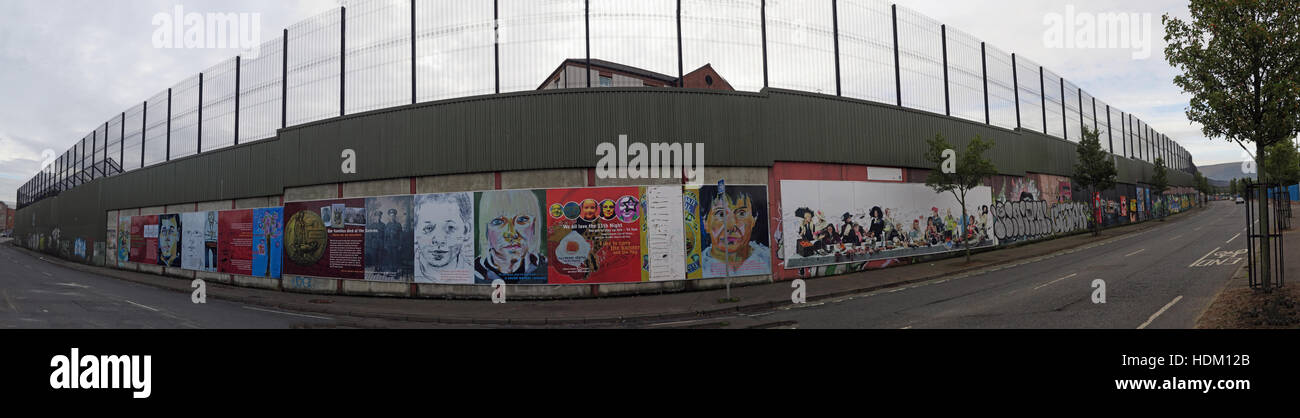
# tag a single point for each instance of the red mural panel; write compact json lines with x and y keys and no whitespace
{"x":325,"y":238}
{"x":144,"y":239}
{"x":235,"y":242}
{"x":594,"y":235}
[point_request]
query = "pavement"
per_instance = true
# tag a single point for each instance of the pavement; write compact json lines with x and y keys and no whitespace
{"x":762,"y":306}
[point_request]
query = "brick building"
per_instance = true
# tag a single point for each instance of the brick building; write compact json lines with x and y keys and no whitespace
{"x":572,"y":74}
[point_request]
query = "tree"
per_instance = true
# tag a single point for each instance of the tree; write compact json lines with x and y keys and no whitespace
{"x":967,"y":171}
{"x":1202,"y":185}
{"x":1282,"y":164}
{"x":1232,"y":187}
{"x":1240,"y":61}
{"x":1094,"y":172}
{"x":1160,"y":181}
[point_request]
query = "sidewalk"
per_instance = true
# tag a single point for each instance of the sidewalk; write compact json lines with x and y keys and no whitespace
{"x":610,"y":311}
{"x":1237,"y":306}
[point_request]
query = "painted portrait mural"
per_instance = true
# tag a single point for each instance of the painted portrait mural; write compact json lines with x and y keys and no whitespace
{"x":510,"y":235}
{"x":444,"y":238}
{"x":602,"y":242}
{"x":734,"y":231}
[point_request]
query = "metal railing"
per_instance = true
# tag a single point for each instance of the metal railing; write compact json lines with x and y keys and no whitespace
{"x":374,"y":54}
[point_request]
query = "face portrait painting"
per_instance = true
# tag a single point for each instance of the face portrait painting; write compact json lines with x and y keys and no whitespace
{"x":510,"y":232}
{"x":444,"y":237}
{"x":736,"y":234}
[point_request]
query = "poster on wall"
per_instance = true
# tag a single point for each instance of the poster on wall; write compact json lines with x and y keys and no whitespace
{"x":691,"y":232}
{"x":314,"y":248}
{"x":235,"y":242}
{"x":389,"y":237}
{"x":199,"y":241}
{"x":144,"y":239}
{"x":510,"y":236}
{"x":444,"y":238}
{"x":665,"y":245}
{"x":734,"y":231}
{"x":169,"y":240}
{"x":835,"y":222}
{"x":123,"y":240}
{"x":596,"y":237}
{"x":267,"y":242}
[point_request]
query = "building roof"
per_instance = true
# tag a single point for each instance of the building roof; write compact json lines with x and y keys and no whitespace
{"x":598,"y":63}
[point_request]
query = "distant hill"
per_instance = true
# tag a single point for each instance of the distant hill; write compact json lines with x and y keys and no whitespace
{"x":1223,"y":172}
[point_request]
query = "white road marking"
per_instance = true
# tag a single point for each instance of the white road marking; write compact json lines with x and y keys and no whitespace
{"x":1203,"y":257}
{"x":77,"y":285}
{"x":906,"y":327}
{"x":142,"y":306}
{"x":12,"y":308}
{"x":1229,"y":241}
{"x":291,"y":313}
{"x":1162,"y":310}
{"x":1177,"y":237}
{"x":1135,"y":252}
{"x":1197,"y":229}
{"x":1057,"y":280}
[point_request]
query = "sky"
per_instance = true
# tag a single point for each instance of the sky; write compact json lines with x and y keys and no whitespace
{"x":67,"y":66}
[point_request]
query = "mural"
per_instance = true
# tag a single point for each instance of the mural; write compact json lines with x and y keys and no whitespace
{"x":144,"y":239}
{"x":123,"y":240}
{"x":235,"y":242}
{"x":199,"y":227}
{"x":389,"y":238}
{"x":691,"y":232}
{"x":872,"y":221}
{"x":444,"y":238}
{"x":322,"y":240}
{"x":1036,"y":206}
{"x":733,"y":231}
{"x":169,"y":240}
{"x":267,"y":243}
{"x":511,"y":236}
{"x":598,"y":243}
{"x":662,"y":241}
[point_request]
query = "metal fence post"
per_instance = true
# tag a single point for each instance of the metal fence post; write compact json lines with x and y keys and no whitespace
{"x":680,"y":64}
{"x":121,"y":145}
{"x":835,"y":29}
{"x":343,"y":59}
{"x":199,"y":146}
{"x":1015,"y":87}
{"x":984,"y":65}
{"x":237,"y":91}
{"x":1042,"y":97}
{"x":168,"y":152}
{"x":144,"y":126}
{"x":284,"y":80}
{"x":947,"y":98}
{"x":762,"y":24}
{"x":413,"y":66}
{"x":898,"y":72}
{"x":496,"y":43}
{"x":1065,"y":125}
{"x":586,"y":19}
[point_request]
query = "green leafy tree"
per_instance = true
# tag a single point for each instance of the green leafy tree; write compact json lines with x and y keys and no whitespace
{"x":1232,"y":187}
{"x":1240,"y":61}
{"x":1282,"y":164}
{"x":1160,"y":183}
{"x":1095,"y":170}
{"x":968,"y":169}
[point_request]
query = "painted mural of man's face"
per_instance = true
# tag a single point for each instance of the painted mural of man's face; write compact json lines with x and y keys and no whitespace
{"x":508,"y":236}
{"x":442,"y":233}
{"x":607,"y":209}
{"x":730,"y":224}
{"x":168,"y":235}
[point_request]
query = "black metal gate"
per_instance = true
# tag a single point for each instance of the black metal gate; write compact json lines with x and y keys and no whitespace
{"x":1257,"y":232}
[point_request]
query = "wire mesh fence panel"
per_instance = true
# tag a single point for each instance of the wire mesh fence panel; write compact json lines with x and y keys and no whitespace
{"x":219,"y":106}
{"x":1088,"y":113}
{"x":640,"y":34}
{"x":155,"y":132}
{"x":113,"y":154}
{"x":1115,"y":122}
{"x":314,"y":51}
{"x":261,"y":94}
{"x":1002,"y":94}
{"x":1053,"y":100}
{"x":185,"y":118}
{"x":378,"y":55}
{"x":1104,"y":128}
{"x":867,"y":50}
{"x":727,"y":36}
{"x":801,"y":45}
{"x":133,"y":138}
{"x":1073,"y":113}
{"x":101,"y":150}
{"x":455,"y":49}
{"x":920,"y":57}
{"x":537,"y":38}
{"x":1030,"y":86}
{"x":965,"y":76}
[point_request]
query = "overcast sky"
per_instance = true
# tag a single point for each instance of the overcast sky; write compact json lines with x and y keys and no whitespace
{"x":67,"y":66}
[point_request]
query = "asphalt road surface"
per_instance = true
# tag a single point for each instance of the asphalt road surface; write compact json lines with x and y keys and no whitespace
{"x":38,"y":294}
{"x":1160,"y":278}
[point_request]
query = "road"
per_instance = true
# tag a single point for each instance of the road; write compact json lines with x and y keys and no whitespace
{"x":38,"y":294}
{"x":1159,"y":278}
